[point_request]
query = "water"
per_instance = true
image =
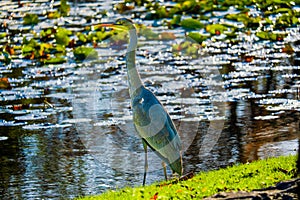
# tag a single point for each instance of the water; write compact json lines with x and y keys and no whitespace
{"x":66,"y":129}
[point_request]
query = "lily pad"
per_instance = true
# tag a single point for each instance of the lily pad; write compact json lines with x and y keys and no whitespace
{"x":82,"y":53}
{"x":175,"y":21}
{"x":187,"y":48}
{"x":269,"y":36}
{"x":62,"y":36}
{"x":64,"y":8}
{"x":47,"y":34}
{"x":31,"y":19}
{"x":216,"y":29}
{"x":55,"y":60}
{"x":2,"y":35}
{"x":196,"y":37}
{"x":188,"y":5}
{"x":53,"y":15}
{"x":191,"y":24}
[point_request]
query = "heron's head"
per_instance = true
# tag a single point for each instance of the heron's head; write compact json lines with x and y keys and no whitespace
{"x":121,"y":24}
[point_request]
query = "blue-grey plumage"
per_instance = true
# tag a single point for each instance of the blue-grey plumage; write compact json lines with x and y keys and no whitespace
{"x":155,"y":126}
{"x":151,"y":120}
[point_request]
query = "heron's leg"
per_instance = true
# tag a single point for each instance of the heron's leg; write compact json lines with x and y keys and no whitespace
{"x":146,"y":162}
{"x":165,"y":170}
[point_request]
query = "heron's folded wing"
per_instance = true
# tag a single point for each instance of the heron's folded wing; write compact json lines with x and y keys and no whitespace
{"x":160,"y":133}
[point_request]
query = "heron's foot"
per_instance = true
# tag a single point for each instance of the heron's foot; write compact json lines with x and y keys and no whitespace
{"x":187,"y":176}
{"x":176,"y":178}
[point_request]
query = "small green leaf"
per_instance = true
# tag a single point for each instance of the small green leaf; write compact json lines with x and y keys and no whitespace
{"x":64,"y":8}
{"x":175,"y":20}
{"x":55,"y":60}
{"x":2,"y":35}
{"x":197,"y":37}
{"x":82,"y":37}
{"x":62,"y":37}
{"x":188,"y":5}
{"x":191,"y":24}
{"x":30,"y":19}
{"x":269,"y":36}
{"x":82,"y":53}
{"x":216,"y":28}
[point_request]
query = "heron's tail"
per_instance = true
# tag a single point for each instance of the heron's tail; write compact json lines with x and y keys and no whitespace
{"x":176,"y":166}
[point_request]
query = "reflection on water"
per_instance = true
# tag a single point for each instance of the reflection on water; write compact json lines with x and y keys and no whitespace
{"x":66,"y":131}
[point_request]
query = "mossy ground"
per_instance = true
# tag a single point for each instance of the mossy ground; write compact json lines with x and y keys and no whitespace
{"x":246,"y":177}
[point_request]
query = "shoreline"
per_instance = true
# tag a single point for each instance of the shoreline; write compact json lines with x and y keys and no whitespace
{"x":258,"y":178}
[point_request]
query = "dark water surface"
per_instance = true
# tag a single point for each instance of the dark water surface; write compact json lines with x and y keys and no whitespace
{"x":66,"y":130}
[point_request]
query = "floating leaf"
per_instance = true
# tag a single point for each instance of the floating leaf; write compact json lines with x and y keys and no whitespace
{"x":161,"y":12}
{"x":55,"y":60}
{"x":286,"y":20}
{"x":53,"y":15}
{"x":47,"y":34}
{"x":175,"y":21}
{"x":34,"y":50}
{"x":191,"y":24}
{"x":82,"y":37}
{"x":197,"y":37}
{"x":187,"y":48}
{"x":175,"y":10}
{"x":2,"y":35}
{"x":216,"y":29}
{"x":269,"y":36}
{"x":29,"y":48}
{"x":64,"y":8}
{"x":62,"y":36}
{"x":82,"y":53}
{"x":188,"y":5}
{"x":30,"y":19}
{"x":100,"y":36}
{"x":58,"y":49}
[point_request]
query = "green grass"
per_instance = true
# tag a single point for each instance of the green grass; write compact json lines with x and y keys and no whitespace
{"x":246,"y":177}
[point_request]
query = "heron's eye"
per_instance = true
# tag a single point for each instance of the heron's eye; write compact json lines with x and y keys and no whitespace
{"x":141,"y":100}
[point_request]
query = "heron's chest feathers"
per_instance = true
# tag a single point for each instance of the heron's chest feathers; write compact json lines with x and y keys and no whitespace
{"x":142,"y":103}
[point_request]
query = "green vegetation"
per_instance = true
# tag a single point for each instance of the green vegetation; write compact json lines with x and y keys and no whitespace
{"x":31,"y":19}
{"x":179,"y":15}
{"x":62,"y":36}
{"x":64,"y":8}
{"x":191,"y":24}
{"x":51,"y":45}
{"x":255,"y":175}
{"x":82,"y":53}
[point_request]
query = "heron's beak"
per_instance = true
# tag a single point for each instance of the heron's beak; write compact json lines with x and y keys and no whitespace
{"x":114,"y":26}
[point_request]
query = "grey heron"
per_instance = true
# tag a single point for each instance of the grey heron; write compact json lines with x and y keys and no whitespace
{"x":151,"y":121}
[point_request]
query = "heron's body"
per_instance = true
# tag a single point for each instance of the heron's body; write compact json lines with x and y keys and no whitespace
{"x":151,"y":120}
{"x":156,"y":128}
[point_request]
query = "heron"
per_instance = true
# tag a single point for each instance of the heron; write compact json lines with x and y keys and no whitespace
{"x":151,"y":120}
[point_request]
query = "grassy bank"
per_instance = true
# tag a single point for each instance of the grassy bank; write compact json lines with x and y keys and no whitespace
{"x":255,"y":175}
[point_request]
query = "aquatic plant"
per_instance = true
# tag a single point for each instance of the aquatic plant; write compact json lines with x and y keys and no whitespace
{"x":30,"y":19}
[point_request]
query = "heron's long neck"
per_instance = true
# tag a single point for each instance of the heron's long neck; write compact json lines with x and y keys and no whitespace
{"x":133,"y":75}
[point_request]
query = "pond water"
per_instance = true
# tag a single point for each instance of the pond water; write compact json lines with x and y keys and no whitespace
{"x":66,"y":129}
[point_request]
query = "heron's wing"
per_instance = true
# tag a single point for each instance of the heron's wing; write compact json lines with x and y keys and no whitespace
{"x":155,"y":126}
{"x":166,"y":142}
